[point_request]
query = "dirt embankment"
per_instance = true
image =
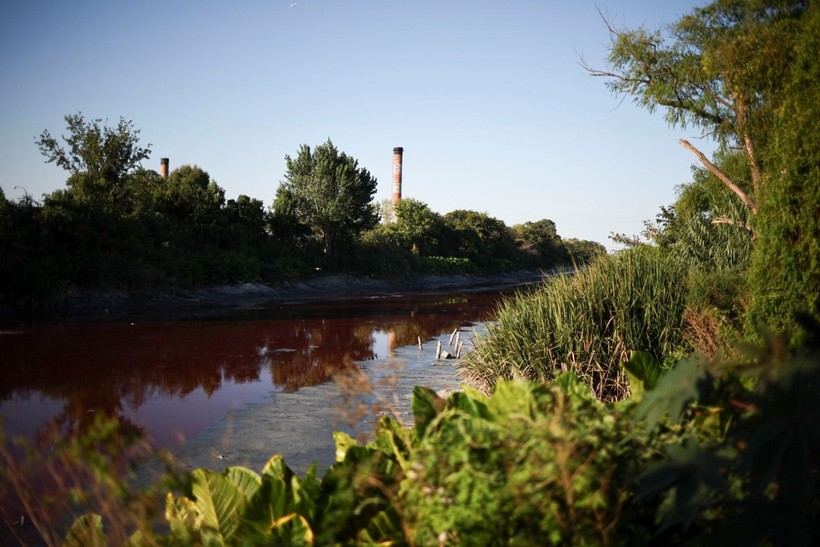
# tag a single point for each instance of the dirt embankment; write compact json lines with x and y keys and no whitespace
{"x":196,"y":302}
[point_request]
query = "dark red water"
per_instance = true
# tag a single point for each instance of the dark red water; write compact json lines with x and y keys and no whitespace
{"x":172,"y":379}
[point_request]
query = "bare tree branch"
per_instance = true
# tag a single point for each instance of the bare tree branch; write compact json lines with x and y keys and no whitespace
{"x":715,"y":170}
{"x":748,"y":142}
{"x":732,"y":222}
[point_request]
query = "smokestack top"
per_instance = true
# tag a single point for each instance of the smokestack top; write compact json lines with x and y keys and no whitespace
{"x":398,"y":150}
{"x":163,"y":167}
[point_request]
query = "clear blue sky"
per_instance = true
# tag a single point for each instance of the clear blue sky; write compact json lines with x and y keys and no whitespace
{"x":486,"y":97}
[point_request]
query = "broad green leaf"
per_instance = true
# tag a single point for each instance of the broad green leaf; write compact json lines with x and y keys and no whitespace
{"x":473,"y":403}
{"x":572,"y":386}
{"x":688,"y":475}
{"x":391,"y":440}
{"x":273,"y":500}
{"x":675,"y":390}
{"x":385,"y":526}
{"x":219,"y":501}
{"x":512,"y":397}
{"x":426,"y":406}
{"x":643,"y":372}
{"x":292,"y":529}
{"x":277,"y":467}
{"x":306,"y":492}
{"x":343,"y":443}
{"x":86,"y":531}
{"x":245,"y":480}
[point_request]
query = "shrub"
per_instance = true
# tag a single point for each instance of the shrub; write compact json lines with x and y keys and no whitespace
{"x":445,"y":265}
{"x":588,"y":323}
{"x":531,"y":465}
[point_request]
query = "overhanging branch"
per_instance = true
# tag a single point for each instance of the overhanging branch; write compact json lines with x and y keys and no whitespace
{"x":732,"y":222}
{"x":715,"y":170}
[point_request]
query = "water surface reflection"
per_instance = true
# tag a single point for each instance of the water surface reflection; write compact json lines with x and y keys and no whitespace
{"x":173,"y":379}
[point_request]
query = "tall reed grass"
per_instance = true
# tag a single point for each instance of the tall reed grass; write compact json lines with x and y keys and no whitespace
{"x":588,"y":322}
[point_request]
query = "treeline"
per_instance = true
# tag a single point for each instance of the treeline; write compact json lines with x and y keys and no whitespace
{"x":117,"y":225}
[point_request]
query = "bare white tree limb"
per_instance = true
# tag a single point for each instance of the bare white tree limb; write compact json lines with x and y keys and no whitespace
{"x":732,"y":222}
{"x":723,"y":177}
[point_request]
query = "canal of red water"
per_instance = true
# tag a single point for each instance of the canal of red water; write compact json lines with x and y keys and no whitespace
{"x":172,"y":379}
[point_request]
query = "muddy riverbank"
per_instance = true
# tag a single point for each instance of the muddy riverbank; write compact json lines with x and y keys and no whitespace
{"x":181,"y":303}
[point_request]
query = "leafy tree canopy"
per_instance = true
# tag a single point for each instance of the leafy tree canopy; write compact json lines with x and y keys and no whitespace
{"x":541,"y":239}
{"x":745,"y":73}
{"x":479,"y":237}
{"x":102,"y":151}
{"x":419,"y":225}
{"x":326,"y":190}
{"x":719,"y":69}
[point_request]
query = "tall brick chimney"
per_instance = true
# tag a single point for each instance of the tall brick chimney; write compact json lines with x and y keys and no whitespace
{"x":397,"y":160}
{"x":163,"y":167}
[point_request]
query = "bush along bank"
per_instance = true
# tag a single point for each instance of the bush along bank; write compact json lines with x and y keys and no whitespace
{"x":588,"y":323}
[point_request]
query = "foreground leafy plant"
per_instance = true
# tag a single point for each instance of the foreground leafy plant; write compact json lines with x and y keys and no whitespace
{"x":529,"y":465}
{"x":744,"y":467}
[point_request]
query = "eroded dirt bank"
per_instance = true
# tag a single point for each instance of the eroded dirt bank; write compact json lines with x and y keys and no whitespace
{"x":229,"y":299}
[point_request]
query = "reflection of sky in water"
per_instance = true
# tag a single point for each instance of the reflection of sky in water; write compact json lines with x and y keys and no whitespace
{"x":381,"y":344}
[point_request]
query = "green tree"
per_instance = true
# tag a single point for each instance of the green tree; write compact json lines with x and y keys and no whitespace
{"x":97,"y":156}
{"x":691,"y":228}
{"x":485,"y":240}
{"x":583,"y":251}
{"x":419,"y":226}
{"x":741,"y":70}
{"x":785,"y":269}
{"x":540,"y":242}
{"x":327,"y":191}
{"x":715,"y":70}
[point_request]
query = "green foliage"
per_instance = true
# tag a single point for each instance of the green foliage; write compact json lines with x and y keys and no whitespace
{"x":118,"y":226}
{"x":643,"y":372}
{"x":746,"y":73}
{"x":382,"y":253}
{"x":710,"y":69}
{"x":785,"y":275}
{"x":106,"y":154}
{"x":529,"y":465}
{"x":484,"y":240}
{"x":540,"y":242}
{"x":708,"y":226}
{"x":744,"y":466}
{"x":445,"y":265}
{"x":238,"y":506}
{"x":418,"y":227}
{"x":588,"y":323}
{"x":329,"y":193}
{"x":582,"y":251}
{"x":707,"y":452}
{"x":87,"y":531}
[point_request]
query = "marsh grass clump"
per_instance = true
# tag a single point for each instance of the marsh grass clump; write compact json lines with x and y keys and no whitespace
{"x":587,"y":323}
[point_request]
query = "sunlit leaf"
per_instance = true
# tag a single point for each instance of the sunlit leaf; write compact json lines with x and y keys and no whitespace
{"x":643,"y":372}
{"x":87,"y":531}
